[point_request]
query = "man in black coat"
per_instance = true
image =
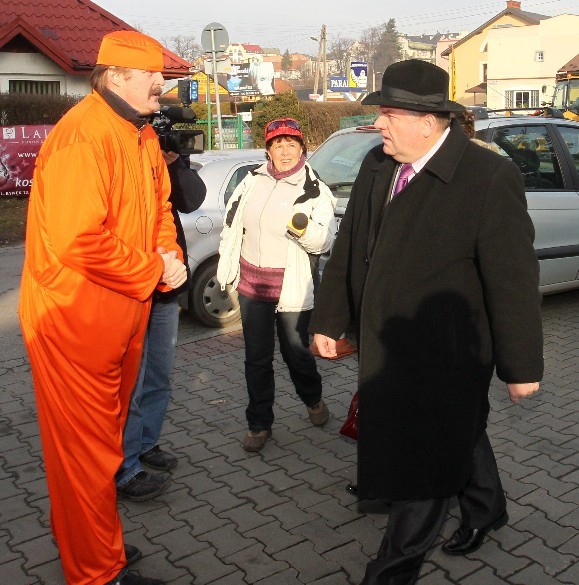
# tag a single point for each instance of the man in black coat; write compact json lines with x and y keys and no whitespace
{"x":434,"y":262}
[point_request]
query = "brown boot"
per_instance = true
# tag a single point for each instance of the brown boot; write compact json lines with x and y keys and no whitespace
{"x":319,"y":414}
{"x":255,"y":440}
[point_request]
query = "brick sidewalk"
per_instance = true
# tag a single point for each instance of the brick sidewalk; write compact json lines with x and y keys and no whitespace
{"x":282,"y":517}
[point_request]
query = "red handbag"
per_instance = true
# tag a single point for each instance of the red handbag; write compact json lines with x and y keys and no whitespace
{"x":350,"y":427}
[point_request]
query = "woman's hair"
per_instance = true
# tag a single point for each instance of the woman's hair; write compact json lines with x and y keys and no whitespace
{"x":466,"y":121}
{"x":285,"y":137}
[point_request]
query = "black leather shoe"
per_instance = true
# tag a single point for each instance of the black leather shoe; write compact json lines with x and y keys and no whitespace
{"x":352,"y":488}
{"x":466,"y":540}
{"x":158,"y":459}
{"x":134,"y":579}
{"x":132,"y":554}
{"x":144,"y":486}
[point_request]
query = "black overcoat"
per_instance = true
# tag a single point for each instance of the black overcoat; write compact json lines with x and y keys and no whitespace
{"x":442,"y":284}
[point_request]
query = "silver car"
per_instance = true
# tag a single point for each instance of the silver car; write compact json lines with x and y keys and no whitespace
{"x":545,"y":149}
{"x":222,"y":171}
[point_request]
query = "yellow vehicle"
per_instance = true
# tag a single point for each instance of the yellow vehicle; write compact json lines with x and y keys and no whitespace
{"x":566,"y":96}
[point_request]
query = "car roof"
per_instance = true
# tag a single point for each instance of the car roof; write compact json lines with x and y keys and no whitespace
{"x":229,"y":154}
{"x":517,"y":120}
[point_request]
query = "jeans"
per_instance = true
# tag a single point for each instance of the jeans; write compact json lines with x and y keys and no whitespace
{"x":152,"y":391}
{"x":259,"y":320}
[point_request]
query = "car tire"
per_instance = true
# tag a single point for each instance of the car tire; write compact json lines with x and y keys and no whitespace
{"x":208,"y":303}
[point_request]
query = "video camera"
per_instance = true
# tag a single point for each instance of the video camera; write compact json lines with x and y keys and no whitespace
{"x":183,"y":142}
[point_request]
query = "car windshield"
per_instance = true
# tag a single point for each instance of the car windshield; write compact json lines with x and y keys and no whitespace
{"x":338,"y":160}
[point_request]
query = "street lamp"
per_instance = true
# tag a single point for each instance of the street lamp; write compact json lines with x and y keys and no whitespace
{"x":322,"y":49}
{"x":317,"y":66}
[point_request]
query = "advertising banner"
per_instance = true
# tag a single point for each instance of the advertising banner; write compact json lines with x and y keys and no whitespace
{"x":251,"y":79}
{"x":19,"y":146}
{"x":358,"y":80}
{"x":339,"y":84}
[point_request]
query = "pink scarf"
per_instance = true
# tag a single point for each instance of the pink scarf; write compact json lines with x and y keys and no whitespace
{"x":277,"y":175}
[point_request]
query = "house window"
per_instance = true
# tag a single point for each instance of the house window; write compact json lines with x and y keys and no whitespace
{"x":528,"y":98}
{"x":34,"y":87}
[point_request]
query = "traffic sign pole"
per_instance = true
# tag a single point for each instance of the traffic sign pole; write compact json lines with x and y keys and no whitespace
{"x":214,"y":39}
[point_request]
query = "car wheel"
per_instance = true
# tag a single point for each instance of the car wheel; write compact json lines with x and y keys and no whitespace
{"x":208,"y":303}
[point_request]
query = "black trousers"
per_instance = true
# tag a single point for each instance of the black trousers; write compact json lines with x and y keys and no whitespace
{"x":413,"y":525}
{"x":259,"y":321}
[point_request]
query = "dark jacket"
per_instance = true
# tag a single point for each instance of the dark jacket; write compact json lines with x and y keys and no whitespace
{"x":187,"y":194}
{"x":442,"y":284}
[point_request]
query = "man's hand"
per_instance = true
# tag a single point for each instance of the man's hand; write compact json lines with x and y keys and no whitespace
{"x":174,"y":271}
{"x":518,"y":391}
{"x":326,"y":345}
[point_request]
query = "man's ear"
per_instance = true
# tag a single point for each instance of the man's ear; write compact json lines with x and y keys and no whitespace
{"x":429,"y":125}
{"x":114,"y":77}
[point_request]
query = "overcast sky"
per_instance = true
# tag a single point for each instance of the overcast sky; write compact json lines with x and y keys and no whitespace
{"x":289,"y":25}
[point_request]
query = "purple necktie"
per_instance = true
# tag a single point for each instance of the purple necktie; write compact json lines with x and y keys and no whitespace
{"x":405,"y":171}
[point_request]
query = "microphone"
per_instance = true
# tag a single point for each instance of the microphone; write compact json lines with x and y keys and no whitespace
{"x":177,"y":114}
{"x":297,"y":225}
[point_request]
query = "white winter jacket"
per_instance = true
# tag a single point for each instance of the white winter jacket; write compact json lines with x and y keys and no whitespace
{"x":314,"y":198}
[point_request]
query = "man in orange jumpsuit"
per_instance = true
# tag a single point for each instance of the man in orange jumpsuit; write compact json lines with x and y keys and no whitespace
{"x":100,"y":239}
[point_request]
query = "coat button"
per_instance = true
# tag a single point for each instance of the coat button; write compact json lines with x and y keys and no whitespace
{"x":366,"y":261}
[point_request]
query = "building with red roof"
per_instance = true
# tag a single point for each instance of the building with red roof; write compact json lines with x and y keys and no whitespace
{"x":51,"y":46}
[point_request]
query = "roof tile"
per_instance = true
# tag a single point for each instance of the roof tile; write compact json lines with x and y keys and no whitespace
{"x":69,"y":32}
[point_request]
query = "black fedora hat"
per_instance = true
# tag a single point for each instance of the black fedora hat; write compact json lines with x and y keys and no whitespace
{"x":414,"y":85}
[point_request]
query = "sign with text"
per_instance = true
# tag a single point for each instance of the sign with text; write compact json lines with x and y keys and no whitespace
{"x":339,"y":84}
{"x":358,"y":80}
{"x":19,"y":146}
{"x":251,"y":79}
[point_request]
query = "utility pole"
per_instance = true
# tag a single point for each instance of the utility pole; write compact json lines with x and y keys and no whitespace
{"x":325,"y":79}
{"x":318,"y":67}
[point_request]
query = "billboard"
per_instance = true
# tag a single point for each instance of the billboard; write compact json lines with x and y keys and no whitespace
{"x":358,"y":78}
{"x":19,"y":146}
{"x":251,"y":79}
{"x":339,"y":84}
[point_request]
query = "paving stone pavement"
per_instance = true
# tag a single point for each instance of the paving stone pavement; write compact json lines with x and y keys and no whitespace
{"x":282,"y":517}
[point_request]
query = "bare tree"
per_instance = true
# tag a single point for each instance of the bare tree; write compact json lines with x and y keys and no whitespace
{"x":380,"y":46}
{"x":186,"y":47}
{"x":341,"y":54}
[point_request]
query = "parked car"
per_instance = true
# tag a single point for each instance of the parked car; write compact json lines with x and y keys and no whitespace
{"x":229,"y":125}
{"x":545,"y":149}
{"x":222,"y":171}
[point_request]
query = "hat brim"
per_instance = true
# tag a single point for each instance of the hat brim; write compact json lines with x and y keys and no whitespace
{"x":284,"y":131}
{"x":376,"y":99}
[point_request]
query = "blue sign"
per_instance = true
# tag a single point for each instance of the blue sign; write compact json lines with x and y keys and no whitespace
{"x":358,"y":75}
{"x":339,"y":84}
{"x":194,"y":90}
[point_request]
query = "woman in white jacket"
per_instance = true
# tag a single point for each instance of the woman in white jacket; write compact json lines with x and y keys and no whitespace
{"x":274,"y":270}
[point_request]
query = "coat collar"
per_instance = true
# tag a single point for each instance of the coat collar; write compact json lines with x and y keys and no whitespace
{"x":443,"y":164}
{"x":445,"y":161}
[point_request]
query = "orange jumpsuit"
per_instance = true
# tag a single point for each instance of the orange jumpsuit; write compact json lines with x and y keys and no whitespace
{"x":98,"y":210}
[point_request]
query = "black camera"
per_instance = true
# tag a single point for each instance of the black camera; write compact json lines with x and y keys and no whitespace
{"x":183,"y":142}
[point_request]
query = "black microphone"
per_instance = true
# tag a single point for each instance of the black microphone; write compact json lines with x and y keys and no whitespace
{"x":297,"y":225}
{"x":177,"y":114}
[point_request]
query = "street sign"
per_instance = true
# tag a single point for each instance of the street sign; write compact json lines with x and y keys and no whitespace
{"x":214,"y":38}
{"x":194,"y":90}
{"x":223,"y":66}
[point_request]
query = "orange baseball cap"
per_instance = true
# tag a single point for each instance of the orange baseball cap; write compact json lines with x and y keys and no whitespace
{"x":128,"y":48}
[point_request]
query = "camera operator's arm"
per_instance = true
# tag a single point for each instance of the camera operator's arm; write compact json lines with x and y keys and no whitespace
{"x":187,"y":188}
